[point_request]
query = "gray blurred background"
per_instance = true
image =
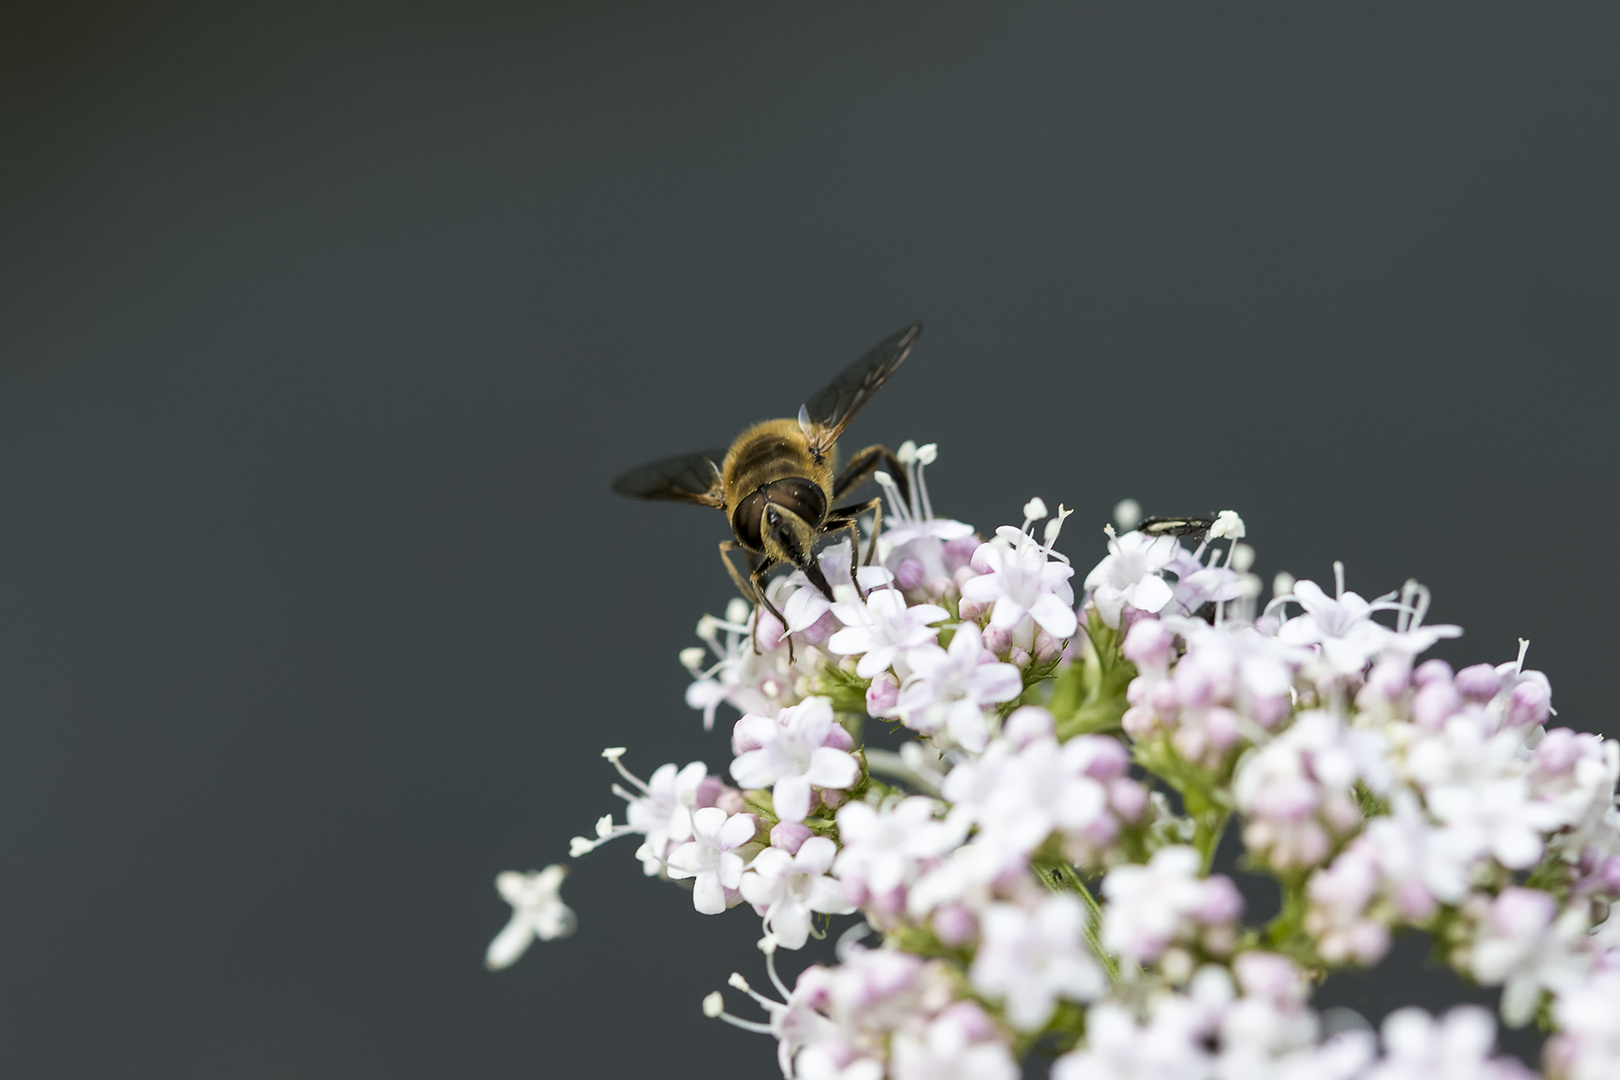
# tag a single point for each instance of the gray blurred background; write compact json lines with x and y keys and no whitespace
{"x":323,"y":328}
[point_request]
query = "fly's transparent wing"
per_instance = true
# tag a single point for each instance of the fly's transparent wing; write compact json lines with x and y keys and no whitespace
{"x":683,"y":478}
{"x":836,"y":404}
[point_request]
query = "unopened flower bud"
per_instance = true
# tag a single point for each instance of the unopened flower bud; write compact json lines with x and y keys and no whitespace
{"x":883,"y":695}
{"x":955,"y":925}
{"x":789,"y":836}
{"x":959,"y":552}
{"x":1479,"y":682}
{"x":1018,"y":657}
{"x":996,"y":640}
{"x":1529,"y":704}
{"x":973,"y":611}
{"x":1047,"y":647}
{"x":1128,"y":799}
{"x":909,"y":574}
{"x":1026,"y":724}
{"x":1431,"y":671}
{"x":1148,"y":644}
{"x":1433,"y":704}
{"x":731,"y":801}
{"x":708,"y":792}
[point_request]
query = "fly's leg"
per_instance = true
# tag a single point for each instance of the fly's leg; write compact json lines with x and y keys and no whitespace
{"x":848,"y":517}
{"x":758,"y":580}
{"x":748,"y":586}
{"x":867,"y":462}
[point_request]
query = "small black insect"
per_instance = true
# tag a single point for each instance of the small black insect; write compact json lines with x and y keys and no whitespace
{"x":1175,"y":526}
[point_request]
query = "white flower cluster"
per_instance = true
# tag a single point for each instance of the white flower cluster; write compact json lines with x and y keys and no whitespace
{"x":1035,"y":861}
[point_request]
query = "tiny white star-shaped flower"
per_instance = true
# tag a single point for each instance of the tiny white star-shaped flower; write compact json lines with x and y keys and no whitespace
{"x":537,"y":912}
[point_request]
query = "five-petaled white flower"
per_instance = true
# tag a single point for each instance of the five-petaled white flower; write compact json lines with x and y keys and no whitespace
{"x":1024,"y":582}
{"x":949,"y":689}
{"x":785,"y":889}
{"x":1033,"y":958}
{"x":1131,"y":574}
{"x":537,"y":912}
{"x":883,"y":630}
{"x":804,"y":747}
{"x":712,"y":858}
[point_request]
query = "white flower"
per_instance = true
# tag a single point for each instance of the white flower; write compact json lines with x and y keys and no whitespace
{"x":1131,"y":574}
{"x":713,"y":858}
{"x":664,"y":811}
{"x":1526,"y":946}
{"x":884,"y":849}
{"x":913,"y":519}
{"x":1031,"y":959}
{"x":1165,"y":901}
{"x":883,"y":630}
{"x":803,"y":747}
{"x":1588,"y":1044}
{"x":949,"y":690}
{"x":537,"y":912}
{"x":1457,"y":1047}
{"x":953,"y":1047}
{"x":785,"y":889}
{"x":1118,"y":1048}
{"x":1026,"y":585}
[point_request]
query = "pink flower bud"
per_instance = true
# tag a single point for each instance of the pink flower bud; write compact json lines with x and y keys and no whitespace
{"x":1386,"y":682}
{"x":769,"y":631}
{"x":959,"y":552}
{"x":820,"y":630}
{"x":1219,"y":901}
{"x":1529,"y":704}
{"x":997,"y":640}
{"x":883,"y":696}
{"x":1266,"y":711}
{"x":974,"y":611}
{"x":1026,"y":724}
{"x":1128,"y":798}
{"x":839,"y":738}
{"x":1098,"y":756}
{"x":1414,"y":901}
{"x":832,"y":798}
{"x":909,"y":574}
{"x":1433,"y":704}
{"x":1046,"y":646}
{"x":1018,"y":657}
{"x":1148,"y":644}
{"x":709,"y":791}
{"x":980,"y":560}
{"x":955,"y":925}
{"x":1221,"y":726}
{"x":731,"y":801}
{"x":1480,"y":682}
{"x":1558,"y":751}
{"x":1431,"y":671}
{"x":969,"y":1020}
{"x":789,"y":836}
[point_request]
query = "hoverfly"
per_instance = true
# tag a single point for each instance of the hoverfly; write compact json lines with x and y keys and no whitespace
{"x":778,"y":482}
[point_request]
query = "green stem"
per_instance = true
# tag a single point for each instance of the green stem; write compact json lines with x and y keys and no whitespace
{"x":1063,"y":877}
{"x":1207,"y":838}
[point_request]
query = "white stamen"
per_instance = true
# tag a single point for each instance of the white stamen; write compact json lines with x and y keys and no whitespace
{"x":692,"y":658}
{"x":738,"y":610}
{"x":1524,"y":647}
{"x":1241,"y":558}
{"x":1338,"y":580}
{"x":1228,"y":526}
{"x":927,"y":453}
{"x":907,"y":452}
{"x":1283,"y":584}
{"x":1055,"y":526}
{"x":580,"y":846}
{"x":1127,"y":513}
{"x":713,"y":1005}
{"x":737,"y":982}
{"x":1034,"y":510}
{"x":613,"y":753}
